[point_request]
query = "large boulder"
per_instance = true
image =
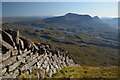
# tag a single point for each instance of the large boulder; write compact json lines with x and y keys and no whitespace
{"x":0,"y":38}
{"x":9,"y":61}
{"x":6,"y":55}
{"x":29,"y":55}
{"x":6,"y":45}
{"x":21,"y":44}
{"x":7,"y":38}
{"x":29,"y":44}
{"x":12,"y":67}
{"x":14,"y":34}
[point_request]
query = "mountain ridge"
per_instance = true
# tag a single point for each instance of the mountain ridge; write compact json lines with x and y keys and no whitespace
{"x":69,"y":18}
{"x":81,"y":22}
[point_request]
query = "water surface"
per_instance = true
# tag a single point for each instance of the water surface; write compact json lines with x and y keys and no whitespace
{"x":61,"y":38}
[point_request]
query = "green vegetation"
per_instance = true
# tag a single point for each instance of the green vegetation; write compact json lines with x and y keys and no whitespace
{"x":87,"y":72}
{"x":78,"y":72}
{"x":94,"y":51}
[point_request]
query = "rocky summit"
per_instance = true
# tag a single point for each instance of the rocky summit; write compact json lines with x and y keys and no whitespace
{"x":22,"y":56}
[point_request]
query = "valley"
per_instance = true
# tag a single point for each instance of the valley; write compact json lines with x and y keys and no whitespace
{"x":91,"y":42}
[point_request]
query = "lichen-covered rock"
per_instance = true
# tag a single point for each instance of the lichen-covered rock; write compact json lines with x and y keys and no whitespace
{"x":51,"y":66}
{"x":14,"y":52}
{"x":6,"y":45}
{"x":20,"y":52}
{"x":40,"y":61}
{"x":29,"y":44}
{"x":46,"y":62}
{"x":44,"y":66}
{"x":21,"y":55}
{"x":9,"y":61}
{"x":12,"y":67}
{"x":27,"y":72}
{"x":32,"y":57}
{"x":54,"y":70}
{"x":35,"y":55}
{"x":6,"y":55}
{"x":15,"y":35}
{"x":4,"y":71}
{"x":31,"y":69}
{"x":50,"y":74}
{"x":39,"y":57}
{"x":16,"y":73}
{"x":7,"y":76}
{"x":15,"y":65}
{"x":7,"y":38}
{"x":0,"y":65}
{"x":41,"y":74}
{"x":21,"y":44}
{"x":27,"y":66}
{"x":47,"y":69}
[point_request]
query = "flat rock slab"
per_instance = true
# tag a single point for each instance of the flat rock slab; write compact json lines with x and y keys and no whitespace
{"x":27,"y":66}
{"x":23,"y":55}
{"x":9,"y":61}
{"x":8,"y":38}
{"x":21,"y":43}
{"x":6,"y":45}
{"x":4,"y":70}
{"x":15,"y":65}
{"x":6,"y":55}
{"x":14,"y":52}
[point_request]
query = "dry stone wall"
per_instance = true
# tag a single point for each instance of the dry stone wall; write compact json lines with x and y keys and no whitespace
{"x":20,"y":55}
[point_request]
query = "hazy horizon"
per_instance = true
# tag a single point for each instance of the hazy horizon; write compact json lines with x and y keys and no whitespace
{"x":59,"y":15}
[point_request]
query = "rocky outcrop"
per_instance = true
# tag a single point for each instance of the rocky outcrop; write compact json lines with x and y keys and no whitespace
{"x":21,"y":55}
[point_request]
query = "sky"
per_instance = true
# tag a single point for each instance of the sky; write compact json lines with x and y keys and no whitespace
{"x":101,"y":9}
{"x":60,"y":0}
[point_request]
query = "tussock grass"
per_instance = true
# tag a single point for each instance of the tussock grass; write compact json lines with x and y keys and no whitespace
{"x":87,"y":72}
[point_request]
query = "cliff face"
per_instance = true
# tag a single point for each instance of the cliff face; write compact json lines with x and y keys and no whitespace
{"x":21,"y":56}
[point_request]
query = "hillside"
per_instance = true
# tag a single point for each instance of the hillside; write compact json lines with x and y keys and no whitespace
{"x":90,"y":41}
{"x":87,"y":73}
{"x":21,"y":56}
{"x":113,"y":22}
{"x":82,"y":22}
{"x":84,"y":73}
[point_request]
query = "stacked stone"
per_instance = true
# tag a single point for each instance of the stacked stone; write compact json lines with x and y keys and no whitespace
{"x":20,"y":55}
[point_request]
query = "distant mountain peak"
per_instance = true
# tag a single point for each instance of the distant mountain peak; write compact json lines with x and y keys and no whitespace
{"x":78,"y":17}
{"x":96,"y":17}
{"x":74,"y":14}
{"x":70,"y":14}
{"x":74,"y":19}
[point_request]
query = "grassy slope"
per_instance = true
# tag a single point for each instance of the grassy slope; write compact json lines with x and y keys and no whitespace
{"x":79,"y":72}
{"x":87,"y":72}
{"x":90,"y":55}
